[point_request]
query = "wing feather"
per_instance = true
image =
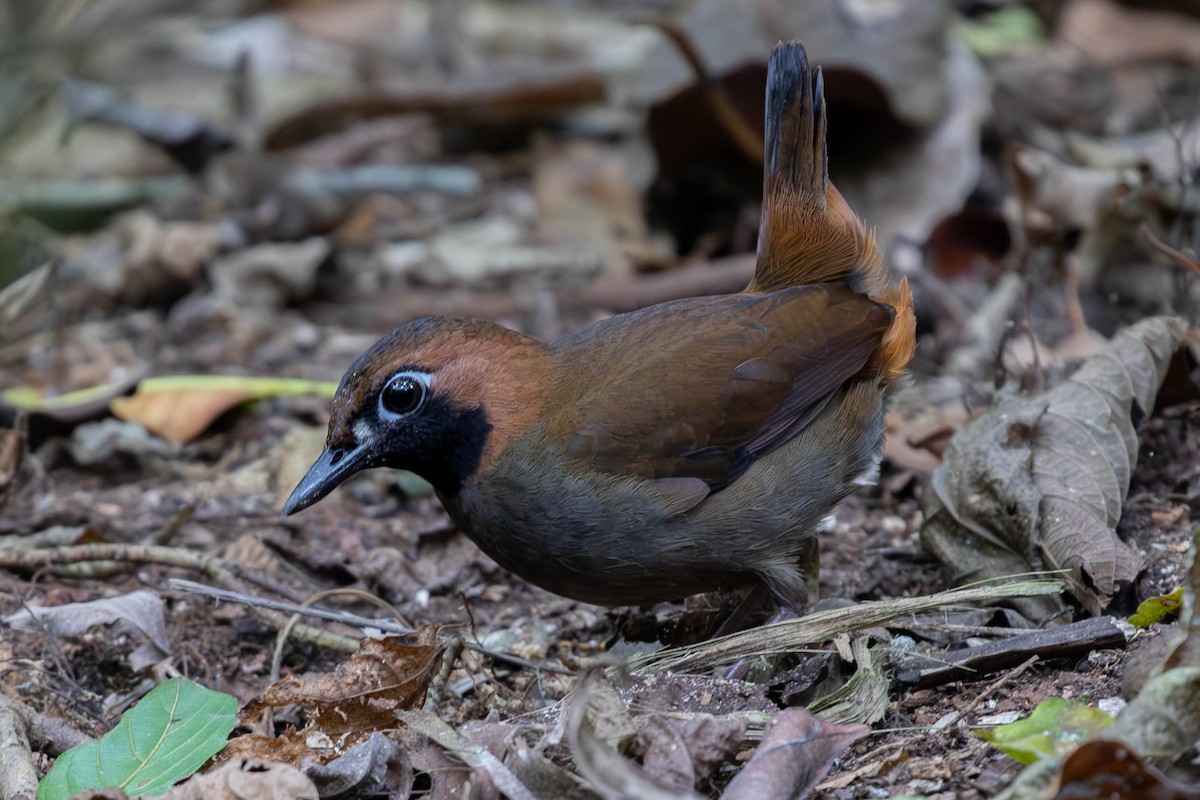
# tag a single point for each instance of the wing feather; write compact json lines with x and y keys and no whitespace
{"x":699,"y":388}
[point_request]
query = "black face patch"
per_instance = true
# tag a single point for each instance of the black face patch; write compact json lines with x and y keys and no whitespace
{"x":442,"y":444}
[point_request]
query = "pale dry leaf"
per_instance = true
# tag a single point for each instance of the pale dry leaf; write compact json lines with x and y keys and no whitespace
{"x":179,"y":408}
{"x":178,"y":417}
{"x":246,"y":779}
{"x":362,"y":770}
{"x":141,"y":613}
{"x":521,"y":744}
{"x":610,"y":774}
{"x":271,"y":274}
{"x":1039,"y":482}
{"x":1067,"y":195}
{"x":97,"y":442}
{"x":686,"y":750}
{"x":1108,"y":33}
{"x":797,"y":751}
{"x":473,"y":755}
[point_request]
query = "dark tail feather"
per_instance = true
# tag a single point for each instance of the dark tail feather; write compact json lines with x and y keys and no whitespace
{"x":807,"y":234}
{"x":796,"y":155}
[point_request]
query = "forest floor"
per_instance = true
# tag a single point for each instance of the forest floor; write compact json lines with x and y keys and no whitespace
{"x":214,"y":257}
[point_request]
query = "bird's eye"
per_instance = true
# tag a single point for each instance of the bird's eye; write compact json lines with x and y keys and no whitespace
{"x":405,"y":393}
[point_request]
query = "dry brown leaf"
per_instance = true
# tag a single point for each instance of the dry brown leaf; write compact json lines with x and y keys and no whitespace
{"x":289,"y":747}
{"x":1039,"y":482}
{"x":361,"y":696}
{"x":916,"y":438}
{"x":364,"y":692}
{"x":179,"y":408}
{"x":687,"y":750}
{"x":597,"y":721}
{"x":1104,"y":768}
{"x":1106,"y":33}
{"x":177,"y":416}
{"x":247,"y":779}
{"x":797,"y":751}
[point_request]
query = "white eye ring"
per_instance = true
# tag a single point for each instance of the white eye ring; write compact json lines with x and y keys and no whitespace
{"x":404,"y":394}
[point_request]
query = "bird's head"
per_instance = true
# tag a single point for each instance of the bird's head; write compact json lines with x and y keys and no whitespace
{"x":438,"y":396}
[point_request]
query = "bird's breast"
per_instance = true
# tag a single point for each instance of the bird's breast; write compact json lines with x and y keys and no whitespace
{"x":615,"y":539}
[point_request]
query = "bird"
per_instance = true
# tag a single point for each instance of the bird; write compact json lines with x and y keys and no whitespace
{"x":690,"y":446}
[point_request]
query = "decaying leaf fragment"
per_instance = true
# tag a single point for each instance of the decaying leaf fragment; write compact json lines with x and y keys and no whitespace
{"x":364,"y":692}
{"x":181,"y":407}
{"x":1039,"y":482}
{"x":141,"y":614}
{"x":362,"y":695}
{"x":1103,"y":768}
{"x":797,"y":751}
{"x":598,"y":727}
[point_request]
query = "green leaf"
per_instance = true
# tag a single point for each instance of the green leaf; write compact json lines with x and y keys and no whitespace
{"x":1002,"y":32}
{"x":1156,"y":608}
{"x":1054,"y":728}
{"x":165,"y":738}
{"x":251,"y":385}
{"x":27,"y":398}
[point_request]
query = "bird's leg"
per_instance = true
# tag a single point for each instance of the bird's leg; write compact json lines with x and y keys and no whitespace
{"x":793,"y":608}
{"x":810,"y":568}
{"x":809,"y":562}
{"x":736,"y":621}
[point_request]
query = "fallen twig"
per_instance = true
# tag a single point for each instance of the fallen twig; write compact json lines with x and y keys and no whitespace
{"x":51,"y":734}
{"x":616,"y":293}
{"x":1075,"y":639}
{"x":348,"y":618}
{"x":1178,"y":258}
{"x":218,"y":570}
{"x":345,"y":617}
{"x":18,"y":774}
{"x":787,"y":636}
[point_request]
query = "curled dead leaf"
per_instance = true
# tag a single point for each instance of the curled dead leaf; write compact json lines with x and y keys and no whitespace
{"x":797,"y":751}
{"x":1103,"y":768}
{"x":180,"y":408}
{"x":364,"y":692}
{"x":1039,"y":482}
{"x":344,"y":707}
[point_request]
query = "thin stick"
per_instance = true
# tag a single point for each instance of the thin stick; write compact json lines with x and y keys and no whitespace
{"x":344,"y":617}
{"x":745,"y":137}
{"x":217,"y":570}
{"x":996,"y":686}
{"x":354,"y":620}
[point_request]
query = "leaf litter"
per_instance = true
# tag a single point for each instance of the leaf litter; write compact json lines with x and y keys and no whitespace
{"x":285,"y":264}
